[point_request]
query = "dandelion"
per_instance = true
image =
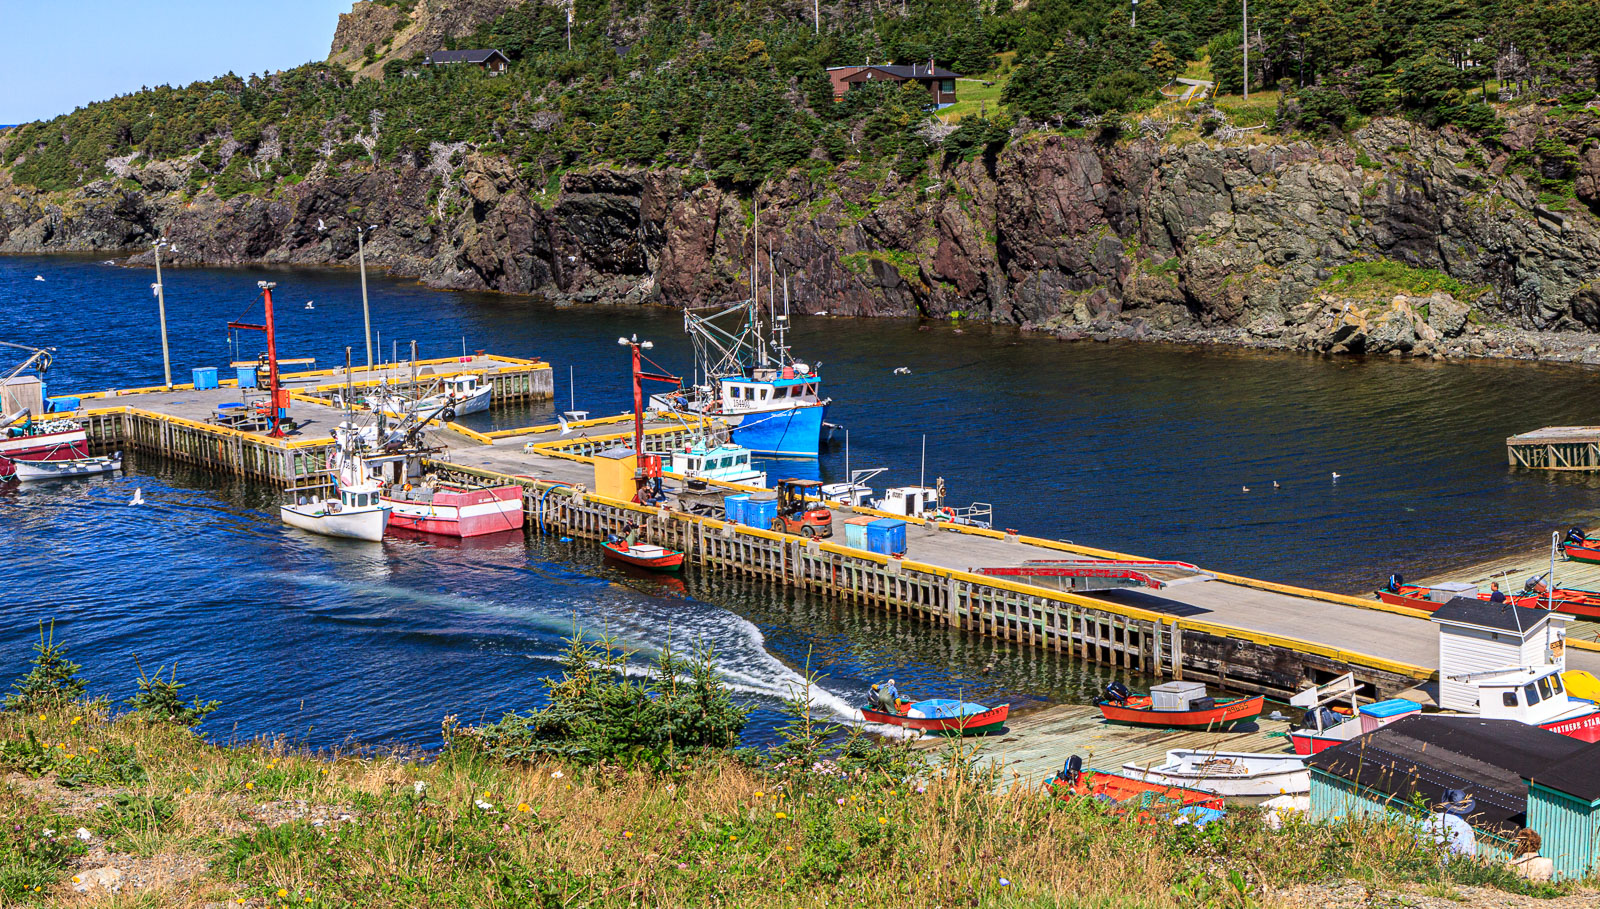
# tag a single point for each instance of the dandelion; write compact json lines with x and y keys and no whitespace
{"x":627,"y":834}
{"x":759,"y":793}
{"x":93,"y":750}
{"x":42,"y":718}
{"x":732,"y":838}
{"x":780,"y":815}
{"x":883,"y":820}
{"x":282,"y":893}
{"x":70,"y":755}
{"x":523,"y":808}
{"x":788,"y":849}
{"x":76,"y":879}
{"x":188,"y":791}
{"x":75,"y":721}
{"x":249,"y":785}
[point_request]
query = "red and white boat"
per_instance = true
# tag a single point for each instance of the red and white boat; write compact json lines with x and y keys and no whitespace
{"x":453,"y":509}
{"x":1569,"y":600}
{"x":50,"y":440}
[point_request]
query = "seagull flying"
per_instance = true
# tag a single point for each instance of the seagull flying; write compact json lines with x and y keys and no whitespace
{"x":320,"y":226}
{"x":38,"y":277}
{"x":902,"y":370}
{"x":310,"y":305}
{"x":565,"y":429}
{"x":138,"y":496}
{"x":1245,"y":488}
{"x":1336,"y":474}
{"x":1275,"y":485}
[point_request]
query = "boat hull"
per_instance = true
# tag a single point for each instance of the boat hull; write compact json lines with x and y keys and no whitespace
{"x":68,"y":445}
{"x":1582,"y":552}
{"x":989,"y":721}
{"x":1125,"y":790}
{"x":1234,"y":776}
{"x":1569,"y":601}
{"x":366,"y":524}
{"x":669,"y":561}
{"x":1584,"y":728}
{"x":27,"y":471}
{"x":795,"y":432}
{"x":460,"y":513}
{"x":1135,"y":713}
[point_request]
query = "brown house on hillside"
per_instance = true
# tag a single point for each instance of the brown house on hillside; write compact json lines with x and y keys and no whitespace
{"x":940,"y":83}
{"x":492,"y":61}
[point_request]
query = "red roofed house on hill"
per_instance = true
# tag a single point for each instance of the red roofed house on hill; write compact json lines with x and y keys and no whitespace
{"x":941,"y":83}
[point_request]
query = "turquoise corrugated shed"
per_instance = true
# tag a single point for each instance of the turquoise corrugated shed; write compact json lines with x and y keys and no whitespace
{"x":1568,"y":827}
{"x":1334,"y":797}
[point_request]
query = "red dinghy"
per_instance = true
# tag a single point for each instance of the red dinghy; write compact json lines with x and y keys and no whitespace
{"x":1177,"y":705}
{"x":1124,"y":789}
{"x":654,"y":558}
{"x":982,"y":722}
{"x":1569,"y":600}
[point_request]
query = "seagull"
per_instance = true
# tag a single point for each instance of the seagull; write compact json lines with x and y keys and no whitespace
{"x":1245,"y":488}
{"x":1275,"y":485}
{"x":310,"y":305}
{"x":38,"y":277}
{"x":902,"y":370}
{"x":138,"y":496}
{"x":321,"y":228}
{"x":565,"y":429}
{"x":1336,"y":474}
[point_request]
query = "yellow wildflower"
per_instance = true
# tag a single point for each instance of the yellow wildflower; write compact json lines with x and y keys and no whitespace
{"x":627,"y":834}
{"x":780,"y":815}
{"x":42,"y":718}
{"x":788,"y":849}
{"x":70,"y":755}
{"x":75,"y":721}
{"x":249,"y":785}
{"x":883,"y":820}
{"x":282,"y":893}
{"x":759,"y":793}
{"x":93,"y":750}
{"x":522,"y":808}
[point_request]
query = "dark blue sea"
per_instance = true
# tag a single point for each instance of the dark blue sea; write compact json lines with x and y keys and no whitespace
{"x":1140,"y":448}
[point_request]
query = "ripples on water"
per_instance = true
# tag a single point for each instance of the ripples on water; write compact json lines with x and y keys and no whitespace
{"x":1139,"y":448}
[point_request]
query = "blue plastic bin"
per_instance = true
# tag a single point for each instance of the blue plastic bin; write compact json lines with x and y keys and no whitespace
{"x":205,"y":377}
{"x":64,"y":403}
{"x":855,"y":531}
{"x":1376,"y":716}
{"x":247,"y":377}
{"x":733,"y":506}
{"x":886,"y":536}
{"x":760,"y":512}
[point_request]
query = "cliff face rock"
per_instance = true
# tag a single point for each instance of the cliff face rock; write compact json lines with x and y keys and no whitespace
{"x":402,"y":31}
{"x":1059,"y":233}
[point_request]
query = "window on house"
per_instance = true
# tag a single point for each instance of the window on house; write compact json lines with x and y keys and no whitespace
{"x":948,"y":86}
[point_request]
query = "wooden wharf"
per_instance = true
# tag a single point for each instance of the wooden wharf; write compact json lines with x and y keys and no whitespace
{"x":1239,"y":633}
{"x":1556,"y":448}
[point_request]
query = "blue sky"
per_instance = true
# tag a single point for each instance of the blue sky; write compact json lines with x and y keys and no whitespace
{"x":60,"y":55}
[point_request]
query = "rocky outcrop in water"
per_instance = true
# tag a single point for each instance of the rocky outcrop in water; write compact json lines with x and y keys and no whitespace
{"x":1072,"y":235}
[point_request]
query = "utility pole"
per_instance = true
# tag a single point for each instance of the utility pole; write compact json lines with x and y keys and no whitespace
{"x":366,"y":314}
{"x":1135,"y":23}
{"x":161,"y":307}
{"x":1247,"y":50}
{"x":816,"y":16}
{"x":571,"y":5}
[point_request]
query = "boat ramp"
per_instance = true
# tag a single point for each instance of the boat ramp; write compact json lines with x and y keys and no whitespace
{"x":1152,"y":618}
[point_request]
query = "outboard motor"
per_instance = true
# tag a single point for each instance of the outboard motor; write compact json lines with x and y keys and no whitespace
{"x":1396,"y":582}
{"x":1319,"y":719}
{"x":1577,"y":535}
{"x":1118,"y":693}
{"x":1070,"y":771}
{"x":1536,"y":583}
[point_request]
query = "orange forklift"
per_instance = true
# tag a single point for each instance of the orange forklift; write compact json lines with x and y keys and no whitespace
{"x":797,"y":515}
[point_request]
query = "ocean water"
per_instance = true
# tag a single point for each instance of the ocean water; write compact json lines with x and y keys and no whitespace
{"x":1145,"y":449}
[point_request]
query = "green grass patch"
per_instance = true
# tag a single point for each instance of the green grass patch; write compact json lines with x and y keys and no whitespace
{"x":1382,"y":279}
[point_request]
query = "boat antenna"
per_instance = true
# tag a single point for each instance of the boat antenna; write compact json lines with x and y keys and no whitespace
{"x":572,"y":387}
{"x":923,"y":480}
{"x":1550,"y":583}
{"x":349,"y":387}
{"x":847,"y":476}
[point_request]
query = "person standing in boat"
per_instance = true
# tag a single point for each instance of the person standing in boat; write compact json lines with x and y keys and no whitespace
{"x":1496,"y":595}
{"x":885,"y":697}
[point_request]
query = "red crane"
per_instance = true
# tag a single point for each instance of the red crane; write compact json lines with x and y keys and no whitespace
{"x":278,"y":398}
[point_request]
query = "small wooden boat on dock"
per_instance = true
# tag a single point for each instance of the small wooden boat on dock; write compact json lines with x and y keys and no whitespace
{"x":655,"y":558}
{"x":1579,"y":547}
{"x":1148,"y":798}
{"x":30,"y":471}
{"x":1231,"y":774}
{"x":942,"y":715}
{"x":1177,"y":705}
{"x":1535,"y":595}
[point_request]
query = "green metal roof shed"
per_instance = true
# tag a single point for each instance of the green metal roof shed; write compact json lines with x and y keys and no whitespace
{"x":1564,"y":807}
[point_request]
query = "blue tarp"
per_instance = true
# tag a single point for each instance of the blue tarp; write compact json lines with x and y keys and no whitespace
{"x":941,"y":708}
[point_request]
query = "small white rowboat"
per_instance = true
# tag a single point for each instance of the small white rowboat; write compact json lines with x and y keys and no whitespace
{"x":68,"y":469}
{"x":1231,"y":774}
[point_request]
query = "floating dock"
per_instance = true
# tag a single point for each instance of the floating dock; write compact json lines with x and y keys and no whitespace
{"x":1556,"y":448}
{"x":1184,"y":623}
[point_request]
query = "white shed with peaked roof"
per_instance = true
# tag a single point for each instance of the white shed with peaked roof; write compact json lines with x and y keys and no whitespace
{"x":1478,"y":638}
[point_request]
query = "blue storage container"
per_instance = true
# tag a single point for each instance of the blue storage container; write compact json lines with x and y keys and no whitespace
{"x":761,"y":512}
{"x":886,"y":536}
{"x":733,"y":506}
{"x":855,"y":531}
{"x":64,"y":404}
{"x":1376,"y":716}
{"x":247,"y":377}
{"x":205,"y":377}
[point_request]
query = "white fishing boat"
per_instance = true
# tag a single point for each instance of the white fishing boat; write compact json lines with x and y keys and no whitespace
{"x":358,"y":513}
{"x":725,"y":462}
{"x":1236,"y":775}
{"x":927,"y":503}
{"x":27,"y":471}
{"x":457,"y":396}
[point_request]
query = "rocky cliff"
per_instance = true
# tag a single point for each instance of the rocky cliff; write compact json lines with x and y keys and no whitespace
{"x":375,"y":32}
{"x":1073,"y":235}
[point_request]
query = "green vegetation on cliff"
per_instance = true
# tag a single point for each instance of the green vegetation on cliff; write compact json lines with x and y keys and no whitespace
{"x":738,"y":91}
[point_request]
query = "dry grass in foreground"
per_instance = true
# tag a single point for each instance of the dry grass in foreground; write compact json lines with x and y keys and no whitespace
{"x":184,"y":823}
